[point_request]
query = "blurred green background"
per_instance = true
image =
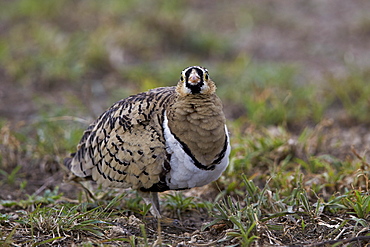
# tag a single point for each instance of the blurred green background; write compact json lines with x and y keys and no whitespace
{"x":290,"y":62}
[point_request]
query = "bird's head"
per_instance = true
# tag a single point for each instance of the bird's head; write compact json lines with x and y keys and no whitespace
{"x":195,"y":80}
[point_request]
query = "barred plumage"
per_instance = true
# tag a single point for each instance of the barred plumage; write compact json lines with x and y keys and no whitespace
{"x":166,"y":138}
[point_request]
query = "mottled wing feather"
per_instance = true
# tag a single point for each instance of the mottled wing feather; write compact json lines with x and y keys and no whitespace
{"x":125,"y":146}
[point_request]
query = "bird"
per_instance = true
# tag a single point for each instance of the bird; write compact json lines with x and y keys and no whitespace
{"x":168,"y":138}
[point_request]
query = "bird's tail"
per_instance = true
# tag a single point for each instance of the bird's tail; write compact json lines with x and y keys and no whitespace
{"x":68,"y":161}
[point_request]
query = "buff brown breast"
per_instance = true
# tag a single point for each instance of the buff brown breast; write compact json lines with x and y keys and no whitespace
{"x":168,"y":138}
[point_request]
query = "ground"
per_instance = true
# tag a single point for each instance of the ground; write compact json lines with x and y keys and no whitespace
{"x":293,"y":77}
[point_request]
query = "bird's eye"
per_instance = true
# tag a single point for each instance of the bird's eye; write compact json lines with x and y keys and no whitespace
{"x":182,"y":78}
{"x":206,"y":77}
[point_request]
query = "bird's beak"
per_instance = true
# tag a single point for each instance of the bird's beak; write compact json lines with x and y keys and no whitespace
{"x":194,"y":78}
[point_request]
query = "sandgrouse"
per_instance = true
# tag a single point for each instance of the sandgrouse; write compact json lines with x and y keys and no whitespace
{"x":168,"y":138}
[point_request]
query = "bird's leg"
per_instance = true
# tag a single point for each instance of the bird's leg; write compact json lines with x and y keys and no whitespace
{"x":156,"y":202}
{"x":152,"y":198}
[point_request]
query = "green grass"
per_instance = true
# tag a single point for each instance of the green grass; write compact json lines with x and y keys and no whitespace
{"x":351,"y":93}
{"x":268,"y":180}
